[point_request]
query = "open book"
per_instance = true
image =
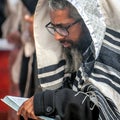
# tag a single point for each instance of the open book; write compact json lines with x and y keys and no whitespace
{"x":16,"y":102}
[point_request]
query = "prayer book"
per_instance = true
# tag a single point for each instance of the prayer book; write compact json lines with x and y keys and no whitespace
{"x":15,"y":102}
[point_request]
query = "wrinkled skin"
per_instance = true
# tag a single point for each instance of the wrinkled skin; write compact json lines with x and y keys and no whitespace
{"x":27,"y":110}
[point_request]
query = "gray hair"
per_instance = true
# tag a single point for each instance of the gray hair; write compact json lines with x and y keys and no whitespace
{"x":62,"y":4}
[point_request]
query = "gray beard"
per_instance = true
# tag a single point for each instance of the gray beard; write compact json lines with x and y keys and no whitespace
{"x":73,"y":55}
{"x":73,"y":59}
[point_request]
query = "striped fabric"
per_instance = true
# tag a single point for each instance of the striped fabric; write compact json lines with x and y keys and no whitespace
{"x":108,"y":110}
{"x":106,"y":76}
{"x":50,"y":79}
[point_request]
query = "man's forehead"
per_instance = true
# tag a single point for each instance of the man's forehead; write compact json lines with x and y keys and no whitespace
{"x":60,"y":16}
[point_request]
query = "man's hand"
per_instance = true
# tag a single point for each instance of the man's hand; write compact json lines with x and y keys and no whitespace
{"x":27,"y":110}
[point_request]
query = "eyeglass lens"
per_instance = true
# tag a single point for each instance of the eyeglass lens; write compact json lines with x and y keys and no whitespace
{"x":60,"y":30}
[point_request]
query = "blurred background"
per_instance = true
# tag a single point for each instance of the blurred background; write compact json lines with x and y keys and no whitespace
{"x":17,"y":52}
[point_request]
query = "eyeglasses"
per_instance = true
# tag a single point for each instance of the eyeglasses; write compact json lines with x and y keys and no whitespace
{"x":63,"y":31}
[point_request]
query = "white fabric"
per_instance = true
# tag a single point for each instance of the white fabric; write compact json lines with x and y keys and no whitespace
{"x":111,"y":12}
{"x":47,"y":49}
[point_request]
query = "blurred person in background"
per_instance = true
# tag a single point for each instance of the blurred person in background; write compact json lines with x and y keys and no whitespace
{"x":27,"y":73}
{"x":17,"y":29}
{"x":13,"y":29}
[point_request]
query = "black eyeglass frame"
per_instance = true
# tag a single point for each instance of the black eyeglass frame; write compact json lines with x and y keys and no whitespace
{"x":54,"y":27}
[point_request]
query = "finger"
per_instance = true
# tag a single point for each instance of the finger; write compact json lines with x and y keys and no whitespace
{"x":25,"y":116}
{"x":30,"y":110}
{"x":18,"y":116}
{"x":32,"y":115}
{"x":21,"y":111}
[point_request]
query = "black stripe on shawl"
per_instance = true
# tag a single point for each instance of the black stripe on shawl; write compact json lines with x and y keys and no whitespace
{"x":107,"y":81}
{"x":52,"y":77}
{"x":110,"y":58}
{"x":51,"y":67}
{"x":112,"y":32}
{"x":79,"y":74}
{"x":75,"y":83}
{"x":112,"y":77}
{"x":108,"y":38}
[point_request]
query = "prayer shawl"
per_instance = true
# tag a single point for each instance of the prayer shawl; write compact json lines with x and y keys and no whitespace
{"x":102,"y":19}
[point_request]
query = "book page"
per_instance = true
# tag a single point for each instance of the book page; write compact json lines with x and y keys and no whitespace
{"x":18,"y":100}
{"x":14,"y":102}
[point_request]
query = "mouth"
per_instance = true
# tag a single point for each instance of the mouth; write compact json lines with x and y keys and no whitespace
{"x":65,"y":44}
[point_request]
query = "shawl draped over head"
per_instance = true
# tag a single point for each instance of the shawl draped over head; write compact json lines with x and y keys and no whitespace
{"x":102,"y":18}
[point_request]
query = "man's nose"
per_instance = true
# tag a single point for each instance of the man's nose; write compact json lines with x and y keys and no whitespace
{"x":57,"y":36}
